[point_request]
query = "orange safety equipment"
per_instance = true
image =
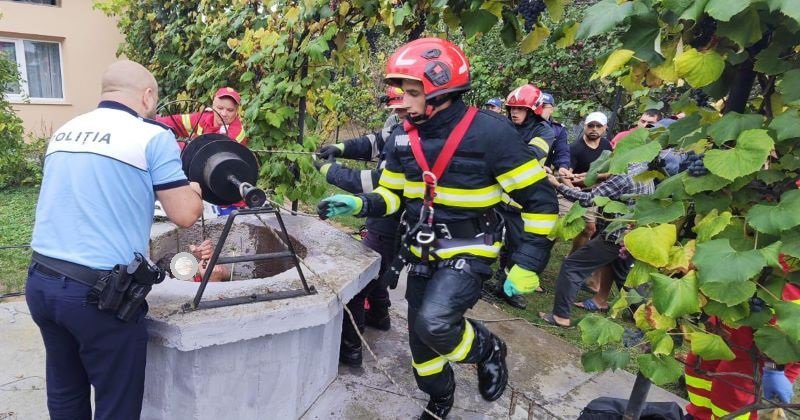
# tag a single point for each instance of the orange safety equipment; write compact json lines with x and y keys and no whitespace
{"x":526,"y":96}
{"x":439,"y":64}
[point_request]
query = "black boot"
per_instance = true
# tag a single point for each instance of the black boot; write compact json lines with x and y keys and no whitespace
{"x":516,"y":301}
{"x":439,"y":406}
{"x":350,"y":353}
{"x":378,"y":318}
{"x":493,"y":372}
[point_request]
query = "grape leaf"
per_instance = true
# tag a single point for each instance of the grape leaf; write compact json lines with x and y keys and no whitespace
{"x":728,"y":314}
{"x":744,"y":29}
{"x":699,"y":68}
{"x":614,"y":62}
{"x":600,"y":360}
{"x":732,"y":124}
{"x":603,"y":17}
{"x":776,"y":218}
{"x":724,"y":10}
{"x":660,"y":370}
{"x":789,"y":85}
{"x":712,"y":224}
{"x":675,"y":297}
{"x":788,"y":314}
{"x":651,"y":244}
{"x":710,"y":346}
{"x":777,"y":345}
{"x":749,"y":155}
{"x":571,"y":225}
{"x":649,"y":210}
{"x":596,"y":330}
{"x":717,"y":261}
{"x":660,"y":341}
{"x":648,"y":318}
{"x":639,"y":274}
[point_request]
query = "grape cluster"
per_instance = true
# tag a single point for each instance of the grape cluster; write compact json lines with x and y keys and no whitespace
{"x":704,"y":32}
{"x":632,"y":337}
{"x":530,"y":11}
{"x":372,"y":39}
{"x":756,"y":304}
{"x":700,"y":97}
{"x":694,"y":164}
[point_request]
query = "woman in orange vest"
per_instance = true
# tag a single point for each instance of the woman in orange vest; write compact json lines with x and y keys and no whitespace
{"x":716,"y":395}
{"x":222,"y":118}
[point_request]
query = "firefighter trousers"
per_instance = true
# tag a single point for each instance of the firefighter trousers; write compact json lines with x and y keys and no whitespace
{"x":438,"y":333}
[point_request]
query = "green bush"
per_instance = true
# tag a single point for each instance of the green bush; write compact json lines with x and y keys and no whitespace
{"x":20,"y":161}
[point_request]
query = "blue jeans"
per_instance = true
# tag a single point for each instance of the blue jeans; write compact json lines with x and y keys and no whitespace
{"x":87,"y":346}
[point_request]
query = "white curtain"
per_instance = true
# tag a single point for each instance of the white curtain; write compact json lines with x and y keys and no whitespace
{"x":43,"y":68}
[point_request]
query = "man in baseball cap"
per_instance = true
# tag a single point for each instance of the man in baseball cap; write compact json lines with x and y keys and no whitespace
{"x":494,"y":104}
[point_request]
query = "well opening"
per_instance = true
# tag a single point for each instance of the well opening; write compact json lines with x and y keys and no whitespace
{"x":243,"y":239}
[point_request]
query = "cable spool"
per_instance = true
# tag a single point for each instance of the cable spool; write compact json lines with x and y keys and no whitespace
{"x":225,"y":170}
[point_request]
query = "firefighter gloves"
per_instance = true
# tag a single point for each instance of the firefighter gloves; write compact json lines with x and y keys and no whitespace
{"x":330,"y":151}
{"x":520,"y":281}
{"x":340,"y":205}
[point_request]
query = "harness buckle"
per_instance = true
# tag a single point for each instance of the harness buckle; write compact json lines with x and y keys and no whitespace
{"x":429,"y":178}
{"x":459,"y":264}
{"x":442,"y":228}
{"x":425,"y":238}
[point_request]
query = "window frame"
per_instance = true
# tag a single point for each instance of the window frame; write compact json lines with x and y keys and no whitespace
{"x":23,"y":96}
{"x":57,"y":3}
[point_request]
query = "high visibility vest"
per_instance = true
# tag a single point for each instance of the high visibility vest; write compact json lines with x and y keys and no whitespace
{"x":714,"y":397}
{"x":199,"y":123}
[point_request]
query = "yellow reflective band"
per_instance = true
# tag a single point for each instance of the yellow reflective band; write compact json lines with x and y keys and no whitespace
{"x":488,"y":251}
{"x":240,"y":137}
{"x":391,"y":199}
{"x":540,"y":224}
{"x":431,"y":367}
{"x":462,"y":349}
{"x":187,"y":122}
{"x":719,"y":412}
{"x":510,"y":201}
{"x":698,"y":383}
{"x":521,"y":176}
{"x":456,"y":197}
{"x":393,"y":180}
{"x":540,"y":143}
{"x":699,"y":400}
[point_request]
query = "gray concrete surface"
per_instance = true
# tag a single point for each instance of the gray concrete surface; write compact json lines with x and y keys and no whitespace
{"x":546,"y":378}
{"x":547,"y":381}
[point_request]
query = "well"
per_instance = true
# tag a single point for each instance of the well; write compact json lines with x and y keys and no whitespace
{"x":257,"y":360}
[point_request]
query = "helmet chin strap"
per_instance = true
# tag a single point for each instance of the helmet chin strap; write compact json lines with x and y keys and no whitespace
{"x":430,"y":106}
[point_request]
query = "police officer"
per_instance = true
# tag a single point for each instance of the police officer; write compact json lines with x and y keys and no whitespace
{"x":494,"y":105}
{"x":559,"y":158}
{"x":381,"y":231}
{"x":524,"y":106}
{"x":446,"y":170}
{"x":102,"y":173}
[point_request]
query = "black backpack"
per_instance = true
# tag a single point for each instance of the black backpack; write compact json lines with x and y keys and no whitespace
{"x":605,"y":408}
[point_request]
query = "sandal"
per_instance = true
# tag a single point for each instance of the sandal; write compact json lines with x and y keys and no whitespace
{"x":550,"y":319}
{"x":590,"y":306}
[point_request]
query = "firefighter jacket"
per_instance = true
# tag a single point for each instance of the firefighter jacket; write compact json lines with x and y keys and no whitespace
{"x":356,"y":181}
{"x":559,"y":156}
{"x":538,"y":135}
{"x":489,"y":160}
{"x":199,"y":123}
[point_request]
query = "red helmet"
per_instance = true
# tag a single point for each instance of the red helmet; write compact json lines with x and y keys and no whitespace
{"x":394,"y":97}
{"x":439,"y":64}
{"x":526,"y":96}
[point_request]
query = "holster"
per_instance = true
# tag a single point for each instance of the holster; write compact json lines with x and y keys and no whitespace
{"x":125,"y":288}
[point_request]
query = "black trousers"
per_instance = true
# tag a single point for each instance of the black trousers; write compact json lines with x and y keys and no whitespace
{"x":597,"y":253}
{"x":514,"y":229}
{"x":87,"y":346}
{"x":438,"y":333}
{"x":376,"y":290}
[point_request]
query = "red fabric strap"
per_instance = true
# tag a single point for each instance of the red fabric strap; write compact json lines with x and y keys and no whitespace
{"x":450,"y":146}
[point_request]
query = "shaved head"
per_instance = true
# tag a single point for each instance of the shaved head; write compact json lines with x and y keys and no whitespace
{"x":131,"y":84}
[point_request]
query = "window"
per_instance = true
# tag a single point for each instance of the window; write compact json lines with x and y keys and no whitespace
{"x":47,"y":2}
{"x":39,"y":65}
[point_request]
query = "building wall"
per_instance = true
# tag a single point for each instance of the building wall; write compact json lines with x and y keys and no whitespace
{"x":89,"y":42}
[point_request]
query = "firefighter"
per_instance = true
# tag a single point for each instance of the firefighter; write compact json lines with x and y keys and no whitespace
{"x":716,"y":395}
{"x":446,"y":171}
{"x":222,"y":117}
{"x":381,"y":231}
{"x":524,"y":106}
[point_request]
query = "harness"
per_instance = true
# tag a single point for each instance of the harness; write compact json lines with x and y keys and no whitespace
{"x":424,"y":232}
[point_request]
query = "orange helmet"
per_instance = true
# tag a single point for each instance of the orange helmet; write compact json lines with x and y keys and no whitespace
{"x":439,"y":64}
{"x":526,"y":96}
{"x":394,"y":97}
